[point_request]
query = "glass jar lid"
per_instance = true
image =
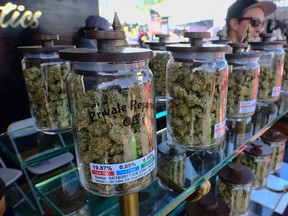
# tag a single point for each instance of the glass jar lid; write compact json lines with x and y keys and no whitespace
{"x":47,"y":45}
{"x":196,"y":44}
{"x":258,"y":148}
{"x":274,"y":135}
{"x":266,"y":40}
{"x":238,"y":52}
{"x":236,"y":173}
{"x":221,"y":38}
{"x":221,"y":41}
{"x":107,"y":50}
{"x":126,"y":54}
{"x":208,"y":205}
{"x":160,"y":45}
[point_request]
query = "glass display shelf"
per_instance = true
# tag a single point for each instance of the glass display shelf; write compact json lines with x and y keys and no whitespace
{"x":64,"y":195}
{"x":27,"y":146}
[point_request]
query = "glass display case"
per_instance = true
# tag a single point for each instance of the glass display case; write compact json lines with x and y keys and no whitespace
{"x":154,"y":200}
{"x":64,"y":195}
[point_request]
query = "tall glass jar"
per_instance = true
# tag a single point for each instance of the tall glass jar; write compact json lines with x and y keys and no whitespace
{"x":234,"y":184}
{"x":284,"y":85}
{"x":243,"y":82}
{"x":271,"y":64}
{"x":257,"y":157}
{"x":277,"y":141}
{"x":45,"y":77}
{"x":196,"y":93}
{"x":158,"y":63}
{"x":111,"y":95}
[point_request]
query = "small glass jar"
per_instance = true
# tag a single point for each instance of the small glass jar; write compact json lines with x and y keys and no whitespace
{"x":45,"y":77}
{"x":200,"y":162}
{"x":243,"y":82}
{"x":196,"y":93}
{"x":112,"y":101}
{"x":282,"y":103}
{"x":264,"y":114}
{"x":271,"y":64}
{"x":172,"y":160}
{"x":277,"y":141}
{"x":257,"y":157}
{"x":158,"y":63}
{"x":238,"y":132}
{"x":234,"y":184}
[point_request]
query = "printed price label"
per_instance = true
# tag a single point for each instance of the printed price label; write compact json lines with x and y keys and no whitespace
{"x":276,"y":91}
{"x":124,"y":172}
{"x":219,"y":129}
{"x":247,"y":106}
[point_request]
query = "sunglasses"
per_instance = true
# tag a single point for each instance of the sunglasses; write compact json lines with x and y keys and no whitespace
{"x":254,"y":21}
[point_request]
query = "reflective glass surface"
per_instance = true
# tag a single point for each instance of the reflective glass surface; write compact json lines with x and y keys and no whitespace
{"x":159,"y":198}
{"x":26,"y":146}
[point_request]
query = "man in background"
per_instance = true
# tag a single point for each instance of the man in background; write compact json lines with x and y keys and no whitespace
{"x":245,"y":14}
{"x":94,"y":23}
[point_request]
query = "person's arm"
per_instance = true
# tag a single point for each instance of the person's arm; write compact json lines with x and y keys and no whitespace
{"x":2,"y":198}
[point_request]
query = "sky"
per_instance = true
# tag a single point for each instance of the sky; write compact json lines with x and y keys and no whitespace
{"x":178,"y":11}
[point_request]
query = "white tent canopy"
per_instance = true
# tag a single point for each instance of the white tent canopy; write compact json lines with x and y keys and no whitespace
{"x":178,"y":11}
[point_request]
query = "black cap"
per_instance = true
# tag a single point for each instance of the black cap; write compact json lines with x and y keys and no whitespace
{"x":96,"y":22}
{"x":240,"y":6}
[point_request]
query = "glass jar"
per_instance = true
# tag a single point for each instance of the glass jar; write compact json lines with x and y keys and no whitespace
{"x":277,"y":141}
{"x":284,"y":85}
{"x":208,"y":205}
{"x":257,"y":157}
{"x":172,"y":160}
{"x":264,"y":114}
{"x":112,"y":101}
{"x":271,"y":64}
{"x":196,"y":93}
{"x":158,"y":63}
{"x":234,"y":184}
{"x":200,"y":162}
{"x":243,"y":82}
{"x":238,"y":132}
{"x":282,"y":103}
{"x":222,"y":40}
{"x":45,"y":76}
